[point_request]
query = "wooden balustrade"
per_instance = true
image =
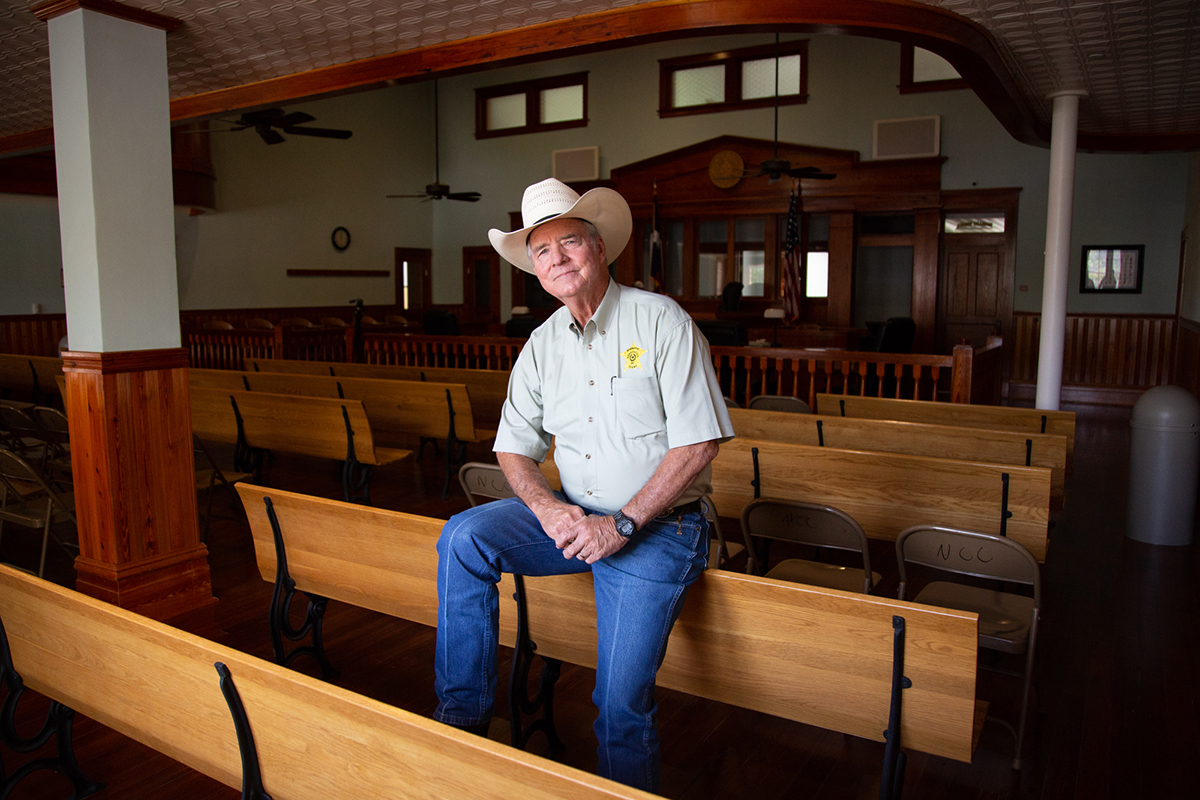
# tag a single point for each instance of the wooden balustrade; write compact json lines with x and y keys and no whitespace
{"x":229,"y":349}
{"x":312,"y":344}
{"x":459,"y":352}
{"x":744,"y":372}
{"x":214,"y":349}
{"x":1107,"y":358}
{"x":965,"y":376}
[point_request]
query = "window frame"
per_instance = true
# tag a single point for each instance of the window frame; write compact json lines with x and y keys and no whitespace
{"x":532,"y":89}
{"x":732,"y":60}
{"x":910,"y":86}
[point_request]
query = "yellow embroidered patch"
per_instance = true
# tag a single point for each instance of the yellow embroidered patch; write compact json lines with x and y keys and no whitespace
{"x":633,"y":356}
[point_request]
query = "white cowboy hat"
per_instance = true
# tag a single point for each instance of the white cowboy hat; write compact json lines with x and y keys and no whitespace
{"x":552,"y":199}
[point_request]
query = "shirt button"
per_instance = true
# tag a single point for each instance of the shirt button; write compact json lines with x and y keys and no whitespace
{"x":603,"y":333}
{"x":591,"y":383}
{"x":589,"y":419}
{"x":588,"y":455}
{"x":589,"y":347}
{"x":589,"y":491}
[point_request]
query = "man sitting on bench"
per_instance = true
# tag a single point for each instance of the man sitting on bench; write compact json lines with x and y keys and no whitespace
{"x":624,"y":382}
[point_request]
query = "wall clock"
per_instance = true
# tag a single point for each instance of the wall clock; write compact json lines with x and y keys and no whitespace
{"x":725,"y":169}
{"x":341,"y":238}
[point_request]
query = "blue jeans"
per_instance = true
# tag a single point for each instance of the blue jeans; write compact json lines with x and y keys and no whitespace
{"x":639,"y":592}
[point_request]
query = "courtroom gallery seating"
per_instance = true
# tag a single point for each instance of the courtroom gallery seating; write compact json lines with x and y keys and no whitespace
{"x":807,"y":524}
{"x":27,"y":500}
{"x":1008,"y":622}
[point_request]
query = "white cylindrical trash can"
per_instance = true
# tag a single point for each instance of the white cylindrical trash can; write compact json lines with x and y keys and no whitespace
{"x":1164,"y":465}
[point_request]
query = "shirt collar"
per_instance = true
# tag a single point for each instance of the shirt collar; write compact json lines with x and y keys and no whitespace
{"x":605,"y":313}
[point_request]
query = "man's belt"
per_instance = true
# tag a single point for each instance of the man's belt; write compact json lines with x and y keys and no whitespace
{"x":694,"y":507}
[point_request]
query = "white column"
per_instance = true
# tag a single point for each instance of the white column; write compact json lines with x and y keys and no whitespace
{"x":1058,"y":246}
{"x":113,"y":152}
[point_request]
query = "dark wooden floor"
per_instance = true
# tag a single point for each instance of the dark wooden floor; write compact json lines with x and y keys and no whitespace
{"x":1120,"y":658}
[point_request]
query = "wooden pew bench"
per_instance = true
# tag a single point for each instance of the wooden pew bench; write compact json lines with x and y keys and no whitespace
{"x":884,"y":492}
{"x":1004,"y":418}
{"x":31,"y":377}
{"x":488,"y":387}
{"x":398,"y":410}
{"x":888,"y":492}
{"x":315,"y":426}
{"x":818,"y":656}
{"x":314,"y":741}
{"x":912,"y":438}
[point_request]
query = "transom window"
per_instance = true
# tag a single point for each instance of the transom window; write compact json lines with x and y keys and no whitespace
{"x":733,"y":79}
{"x":544,"y":104}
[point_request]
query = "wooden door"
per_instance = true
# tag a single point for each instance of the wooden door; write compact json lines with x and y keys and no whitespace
{"x":481,"y":284}
{"x":975,"y":289}
{"x":414,"y":287}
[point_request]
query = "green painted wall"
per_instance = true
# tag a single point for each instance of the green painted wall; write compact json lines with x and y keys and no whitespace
{"x":279,"y":204}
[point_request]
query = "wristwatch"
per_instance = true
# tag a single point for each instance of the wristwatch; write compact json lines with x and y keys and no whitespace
{"x":625,"y":525}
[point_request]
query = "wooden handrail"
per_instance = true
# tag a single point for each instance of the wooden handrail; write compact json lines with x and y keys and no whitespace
{"x":461,"y":352}
{"x":968,"y":375}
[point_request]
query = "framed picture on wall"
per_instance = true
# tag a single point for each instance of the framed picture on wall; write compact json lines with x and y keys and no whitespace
{"x":1112,"y":268}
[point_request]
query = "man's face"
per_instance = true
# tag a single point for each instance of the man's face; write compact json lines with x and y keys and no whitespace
{"x":565,"y":260}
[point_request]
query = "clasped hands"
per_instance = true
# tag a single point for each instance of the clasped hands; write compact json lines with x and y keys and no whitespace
{"x":586,"y":537}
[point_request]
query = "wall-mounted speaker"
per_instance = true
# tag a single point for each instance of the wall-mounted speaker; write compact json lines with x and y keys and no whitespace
{"x":577,"y":164}
{"x":914,"y":137}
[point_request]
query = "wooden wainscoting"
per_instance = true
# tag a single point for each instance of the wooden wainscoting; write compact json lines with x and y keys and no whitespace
{"x":1187,"y":356}
{"x":32,"y":334}
{"x":1108,"y":359}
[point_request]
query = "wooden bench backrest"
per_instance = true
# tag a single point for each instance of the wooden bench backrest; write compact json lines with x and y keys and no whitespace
{"x":818,"y":656}
{"x":315,"y":741}
{"x":911,"y":438}
{"x":887,"y":492}
{"x":488,"y":387}
{"x":814,"y":655}
{"x":290,"y":424}
{"x":16,"y":372}
{"x":225,"y":379}
{"x":397,"y":409}
{"x":1005,"y":418}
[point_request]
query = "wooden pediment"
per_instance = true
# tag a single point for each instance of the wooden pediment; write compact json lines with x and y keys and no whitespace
{"x":704,"y":178}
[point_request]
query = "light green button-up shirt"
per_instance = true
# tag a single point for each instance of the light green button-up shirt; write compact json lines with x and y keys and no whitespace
{"x":614,"y":397}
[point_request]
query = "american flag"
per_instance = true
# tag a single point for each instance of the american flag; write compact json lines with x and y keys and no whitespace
{"x":791,"y":258}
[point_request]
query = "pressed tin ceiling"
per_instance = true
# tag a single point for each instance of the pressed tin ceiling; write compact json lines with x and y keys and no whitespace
{"x":1138,"y":61}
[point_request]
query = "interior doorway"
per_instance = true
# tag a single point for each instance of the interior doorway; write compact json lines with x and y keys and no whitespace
{"x":975,"y":288}
{"x":481,"y":284}
{"x":414,"y":286}
{"x":977,"y":267}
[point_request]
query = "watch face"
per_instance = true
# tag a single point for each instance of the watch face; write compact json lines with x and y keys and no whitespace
{"x":625,"y":525}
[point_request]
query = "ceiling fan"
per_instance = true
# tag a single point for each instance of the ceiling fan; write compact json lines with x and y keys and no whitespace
{"x":438,"y":190}
{"x":270,"y":121}
{"x":776,"y":167}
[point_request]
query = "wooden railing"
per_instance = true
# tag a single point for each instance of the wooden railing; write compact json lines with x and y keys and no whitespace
{"x":967,"y":375}
{"x":1107,"y":358}
{"x":462,"y":352}
{"x":228,"y":349}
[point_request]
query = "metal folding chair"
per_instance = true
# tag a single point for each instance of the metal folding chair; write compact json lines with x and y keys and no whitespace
{"x":1008,"y":622}
{"x":810,"y":524}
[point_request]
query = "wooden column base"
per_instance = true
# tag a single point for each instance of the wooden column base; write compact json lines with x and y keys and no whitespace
{"x":135,"y":482}
{"x":161,"y":588}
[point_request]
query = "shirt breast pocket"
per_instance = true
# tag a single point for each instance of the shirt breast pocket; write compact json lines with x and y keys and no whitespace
{"x":639,"y":407}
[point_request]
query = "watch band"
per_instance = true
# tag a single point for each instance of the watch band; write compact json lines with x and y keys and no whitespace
{"x":625,"y":525}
